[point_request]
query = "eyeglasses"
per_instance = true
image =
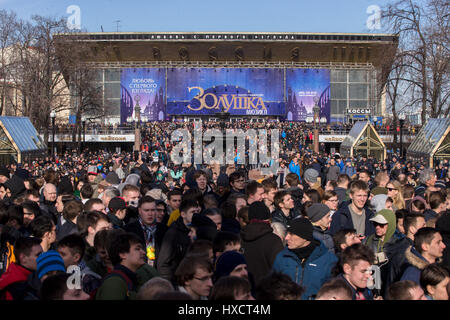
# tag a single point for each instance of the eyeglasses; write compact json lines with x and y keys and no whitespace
{"x":205,"y":278}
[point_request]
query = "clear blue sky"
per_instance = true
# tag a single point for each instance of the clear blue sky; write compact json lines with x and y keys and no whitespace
{"x":208,"y":15}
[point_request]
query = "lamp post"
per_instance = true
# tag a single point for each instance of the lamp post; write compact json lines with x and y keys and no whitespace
{"x":401,"y":118}
{"x":316,"y":110}
{"x":137,"y":134}
{"x":53,"y":116}
{"x":83,"y":121}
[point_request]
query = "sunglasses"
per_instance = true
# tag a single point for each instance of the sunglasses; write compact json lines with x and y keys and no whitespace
{"x":376,"y":224}
{"x":391,"y":189}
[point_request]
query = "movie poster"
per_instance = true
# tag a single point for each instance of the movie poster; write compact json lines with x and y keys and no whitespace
{"x":143,"y":88}
{"x":239,"y":91}
{"x":304,"y":89}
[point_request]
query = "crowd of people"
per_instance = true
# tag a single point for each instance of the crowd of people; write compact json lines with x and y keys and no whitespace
{"x":116,"y":226}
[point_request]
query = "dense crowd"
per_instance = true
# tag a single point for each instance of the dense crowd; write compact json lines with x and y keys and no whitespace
{"x":102,"y":225}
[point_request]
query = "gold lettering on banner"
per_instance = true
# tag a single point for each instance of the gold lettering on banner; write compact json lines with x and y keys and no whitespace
{"x":233,"y":101}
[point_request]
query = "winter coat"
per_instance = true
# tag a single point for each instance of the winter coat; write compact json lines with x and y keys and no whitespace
{"x":261,"y":247}
{"x":295,"y":168}
{"x":395,"y":252}
{"x":312,"y":273}
{"x":333,"y":173}
{"x":324,"y":237}
{"x":116,"y":287}
{"x":278,"y":216}
{"x":341,"y":193}
{"x":342,"y":219}
{"x":443,"y":226}
{"x":367,"y":293}
{"x":66,"y":229}
{"x":174,"y":246}
{"x":415,"y":263}
{"x":13,"y":282}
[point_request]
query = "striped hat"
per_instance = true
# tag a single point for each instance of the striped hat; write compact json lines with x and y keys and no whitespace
{"x":49,"y":261}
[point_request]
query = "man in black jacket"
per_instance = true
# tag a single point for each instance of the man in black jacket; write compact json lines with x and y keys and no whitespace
{"x":176,"y":241}
{"x":260,"y":244}
{"x":147,"y":229}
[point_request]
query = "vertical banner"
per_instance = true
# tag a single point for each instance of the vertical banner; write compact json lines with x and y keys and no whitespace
{"x":239,"y":91}
{"x":305,"y":88}
{"x":143,"y":88}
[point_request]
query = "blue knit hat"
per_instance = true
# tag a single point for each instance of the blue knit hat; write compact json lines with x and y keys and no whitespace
{"x":227,"y":262}
{"x":49,"y":261}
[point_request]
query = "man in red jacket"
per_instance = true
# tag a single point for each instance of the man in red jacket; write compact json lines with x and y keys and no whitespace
{"x":13,"y":281}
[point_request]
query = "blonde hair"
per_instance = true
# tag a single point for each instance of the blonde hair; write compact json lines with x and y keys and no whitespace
{"x":399,"y":202}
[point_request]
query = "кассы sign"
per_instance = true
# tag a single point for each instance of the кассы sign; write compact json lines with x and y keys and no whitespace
{"x":358,"y":110}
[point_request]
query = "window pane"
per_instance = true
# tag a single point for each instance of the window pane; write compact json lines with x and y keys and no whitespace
{"x":338,"y":90}
{"x":112,"y":75}
{"x":112,"y":90}
{"x":357,"y":76}
{"x":338,"y":75}
{"x":358,"y":91}
{"x":112,"y":107}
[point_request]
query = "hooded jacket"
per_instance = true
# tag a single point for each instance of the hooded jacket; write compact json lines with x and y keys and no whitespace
{"x":342,"y":219}
{"x":261,"y":247}
{"x":174,"y":246}
{"x":324,"y":237}
{"x":278,"y":216}
{"x":16,"y":186}
{"x":13,"y":282}
{"x":415,"y":263}
{"x":374,"y":242}
{"x":312,"y":273}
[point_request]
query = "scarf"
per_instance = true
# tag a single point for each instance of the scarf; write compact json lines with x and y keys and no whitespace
{"x":305,"y":252}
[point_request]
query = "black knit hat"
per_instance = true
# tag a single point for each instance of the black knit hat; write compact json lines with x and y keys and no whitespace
{"x":4,"y":172}
{"x":301,"y":227}
{"x":258,"y":210}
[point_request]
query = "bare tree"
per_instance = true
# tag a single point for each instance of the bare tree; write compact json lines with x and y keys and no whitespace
{"x":423,"y":30}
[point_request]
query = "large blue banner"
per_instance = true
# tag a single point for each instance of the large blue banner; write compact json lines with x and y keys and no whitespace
{"x":305,"y":88}
{"x":143,"y":88}
{"x":239,"y":91}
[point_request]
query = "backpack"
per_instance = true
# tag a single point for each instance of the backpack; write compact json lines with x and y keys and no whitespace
{"x":114,"y":273}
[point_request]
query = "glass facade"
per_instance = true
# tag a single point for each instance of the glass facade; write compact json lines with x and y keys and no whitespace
{"x":349,"y":88}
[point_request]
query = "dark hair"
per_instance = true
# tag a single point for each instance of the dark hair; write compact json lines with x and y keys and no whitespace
{"x":252,"y":187}
{"x":410,"y":220}
{"x":174,"y":192}
{"x":420,"y":205}
{"x":228,"y":210}
{"x":400,"y":214}
{"x":41,"y":225}
{"x":226,"y":287}
{"x":236,"y":175}
{"x":269,"y":184}
{"x":278,"y":286}
{"x":423,"y":235}
{"x":74,"y":242}
{"x":72,"y":209}
{"x":358,"y":251}
{"x":188,"y":267}
{"x":436,"y":199}
{"x":432,"y":275}
{"x":145,"y":199}
{"x":292,"y":179}
{"x":32,"y":207}
{"x":314,"y":195}
{"x":400,"y":290}
{"x":193,"y":194}
{"x":408,"y":191}
{"x":54,"y":287}
{"x":199,"y":248}
{"x":334,"y":286}
{"x":279,"y":196}
{"x":339,"y":238}
{"x":89,"y":219}
{"x":224,"y":238}
{"x":24,"y":245}
{"x":90,"y":203}
{"x":15,"y":212}
{"x":87,"y":191}
{"x":3,"y":212}
{"x":188,"y":204}
{"x":121,"y":244}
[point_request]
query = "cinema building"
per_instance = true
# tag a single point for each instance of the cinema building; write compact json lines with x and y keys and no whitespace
{"x":282,"y":76}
